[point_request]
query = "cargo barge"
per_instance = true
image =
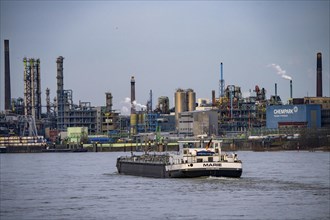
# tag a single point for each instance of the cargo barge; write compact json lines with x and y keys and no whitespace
{"x":194,"y":159}
{"x":22,"y":144}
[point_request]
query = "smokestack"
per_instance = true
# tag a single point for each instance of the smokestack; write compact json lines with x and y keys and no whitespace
{"x":276,"y":92}
{"x":222,"y":82}
{"x":213,"y":97}
{"x":319,"y":75}
{"x":7,"y":77}
{"x":132,"y":95}
{"x":291,"y":89}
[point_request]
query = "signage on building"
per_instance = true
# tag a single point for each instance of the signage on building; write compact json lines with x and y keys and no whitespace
{"x":293,"y":114}
{"x":285,"y":112}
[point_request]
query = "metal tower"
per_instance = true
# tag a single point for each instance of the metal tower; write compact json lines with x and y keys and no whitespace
{"x":32,"y":88}
{"x":48,"y":101}
{"x":60,"y":94}
{"x":221,"y":82}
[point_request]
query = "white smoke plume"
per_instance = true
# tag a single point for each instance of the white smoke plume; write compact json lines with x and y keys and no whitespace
{"x":280,"y":72}
{"x":126,"y":106}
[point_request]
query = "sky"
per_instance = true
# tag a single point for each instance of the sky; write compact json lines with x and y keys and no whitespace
{"x":167,"y":45}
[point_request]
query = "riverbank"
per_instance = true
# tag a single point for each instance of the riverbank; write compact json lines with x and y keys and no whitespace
{"x":232,"y":145}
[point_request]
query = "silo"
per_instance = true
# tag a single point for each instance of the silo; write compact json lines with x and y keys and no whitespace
{"x":191,"y":97}
{"x":141,"y":118}
{"x":133,"y":123}
{"x":180,"y":103}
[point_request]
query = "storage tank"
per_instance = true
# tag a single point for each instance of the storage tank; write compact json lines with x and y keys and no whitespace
{"x":180,"y":101}
{"x":191,"y":97}
{"x":141,"y":118}
{"x":133,"y":120}
{"x":133,"y":123}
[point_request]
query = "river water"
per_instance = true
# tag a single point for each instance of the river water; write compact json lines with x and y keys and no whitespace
{"x":274,"y":185}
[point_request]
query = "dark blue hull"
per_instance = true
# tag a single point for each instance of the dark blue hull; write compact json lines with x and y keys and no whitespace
{"x":234,"y":173}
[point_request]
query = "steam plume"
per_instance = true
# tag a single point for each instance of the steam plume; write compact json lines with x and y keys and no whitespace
{"x":126,"y":106}
{"x":280,"y":72}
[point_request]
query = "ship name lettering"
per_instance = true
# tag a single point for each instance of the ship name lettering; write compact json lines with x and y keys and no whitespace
{"x":211,"y":164}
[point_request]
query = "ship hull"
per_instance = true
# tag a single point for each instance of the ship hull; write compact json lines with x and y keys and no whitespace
{"x":159,"y":170}
{"x":141,"y":169}
{"x":234,"y":173}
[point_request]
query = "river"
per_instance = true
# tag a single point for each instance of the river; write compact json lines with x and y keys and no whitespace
{"x":274,"y":185}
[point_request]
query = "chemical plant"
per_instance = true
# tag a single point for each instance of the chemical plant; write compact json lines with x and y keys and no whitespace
{"x":244,"y":121}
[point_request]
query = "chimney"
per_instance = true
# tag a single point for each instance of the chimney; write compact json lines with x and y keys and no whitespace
{"x":275,"y":90}
{"x":222,"y":81}
{"x":7,"y":77}
{"x":213,"y":98}
{"x":291,"y":89}
{"x":132,"y":95}
{"x":319,"y":75}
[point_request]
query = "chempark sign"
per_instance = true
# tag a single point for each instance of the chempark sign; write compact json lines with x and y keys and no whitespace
{"x":276,"y":114}
{"x":285,"y":112}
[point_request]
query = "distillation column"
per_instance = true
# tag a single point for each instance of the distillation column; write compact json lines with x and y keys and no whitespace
{"x":47,"y":101}
{"x":60,"y":94}
{"x":38,"y":89}
{"x":27,"y":87}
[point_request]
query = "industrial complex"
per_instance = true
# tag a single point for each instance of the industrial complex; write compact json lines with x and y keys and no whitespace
{"x":228,"y":115}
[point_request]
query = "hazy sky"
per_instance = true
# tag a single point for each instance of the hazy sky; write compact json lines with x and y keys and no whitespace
{"x":167,"y":45}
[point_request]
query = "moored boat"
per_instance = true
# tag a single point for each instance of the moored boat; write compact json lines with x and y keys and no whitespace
{"x":195,"y":158}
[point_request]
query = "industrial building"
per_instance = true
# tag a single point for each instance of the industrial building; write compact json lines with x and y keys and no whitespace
{"x":325,"y":108}
{"x":185,"y":100}
{"x":198,"y":123}
{"x":166,"y":123}
{"x":32,"y":88}
{"x":195,"y":123}
{"x":163,"y":106}
{"x":69,"y":114}
{"x":230,"y":112}
{"x":237,"y":114}
{"x":296,"y":116}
